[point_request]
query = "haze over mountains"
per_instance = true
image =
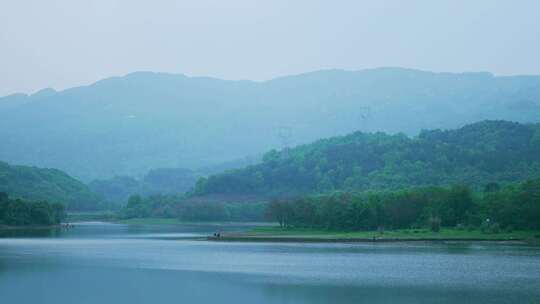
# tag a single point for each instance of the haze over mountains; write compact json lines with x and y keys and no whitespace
{"x":132,"y":124}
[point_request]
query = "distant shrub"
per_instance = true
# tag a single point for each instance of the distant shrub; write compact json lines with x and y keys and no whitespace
{"x":490,"y":227}
{"x":494,"y":228}
{"x":435,"y":224}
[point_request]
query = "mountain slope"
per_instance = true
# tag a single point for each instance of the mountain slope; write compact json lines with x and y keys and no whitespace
{"x":129,"y":125}
{"x":476,"y":154}
{"x":50,"y":185}
{"x":162,"y":181}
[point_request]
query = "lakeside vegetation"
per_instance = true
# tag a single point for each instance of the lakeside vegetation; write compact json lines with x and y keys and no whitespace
{"x":90,"y":216}
{"x":455,"y":212}
{"x":495,"y":210}
{"x":371,"y":182}
{"x":176,"y":221}
{"x":177,"y":207}
{"x":149,"y":221}
{"x":18,"y":212}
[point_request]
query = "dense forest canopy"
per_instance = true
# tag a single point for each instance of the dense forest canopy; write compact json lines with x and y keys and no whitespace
{"x":39,"y":184}
{"x":126,"y":126}
{"x":516,"y":206}
{"x":476,"y":154}
{"x":18,"y":212}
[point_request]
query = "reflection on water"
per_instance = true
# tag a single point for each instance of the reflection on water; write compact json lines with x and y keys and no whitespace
{"x":108,"y":263}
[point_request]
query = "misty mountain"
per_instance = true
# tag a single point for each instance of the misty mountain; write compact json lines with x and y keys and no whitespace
{"x":52,"y":185}
{"x":162,"y":181}
{"x":129,"y":125}
{"x":476,"y":155}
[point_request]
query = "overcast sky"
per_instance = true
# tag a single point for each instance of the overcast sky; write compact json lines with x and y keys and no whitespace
{"x":65,"y":43}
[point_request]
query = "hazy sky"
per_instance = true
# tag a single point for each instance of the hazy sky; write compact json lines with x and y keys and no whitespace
{"x":64,"y":43}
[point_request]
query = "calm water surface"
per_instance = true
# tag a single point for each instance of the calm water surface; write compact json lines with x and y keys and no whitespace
{"x":111,"y":263}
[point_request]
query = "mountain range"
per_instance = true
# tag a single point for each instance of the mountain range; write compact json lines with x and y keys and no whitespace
{"x":127,"y":126}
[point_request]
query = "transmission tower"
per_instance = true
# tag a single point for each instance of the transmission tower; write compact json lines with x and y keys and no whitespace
{"x":284,"y":134}
{"x":365,"y":115}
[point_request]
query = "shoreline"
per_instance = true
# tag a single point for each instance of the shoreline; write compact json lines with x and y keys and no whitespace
{"x":309,"y":235}
{"x":175,"y":221}
{"x":315,"y":239}
{"x":34,"y":227}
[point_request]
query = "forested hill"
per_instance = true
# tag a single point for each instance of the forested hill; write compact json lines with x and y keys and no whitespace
{"x":476,"y":154}
{"x":126,"y":126}
{"x":55,"y":186}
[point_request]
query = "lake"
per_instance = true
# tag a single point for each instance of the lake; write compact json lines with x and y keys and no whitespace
{"x":113,"y":263}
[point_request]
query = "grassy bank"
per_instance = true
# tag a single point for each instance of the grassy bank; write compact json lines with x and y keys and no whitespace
{"x":312,"y":235}
{"x":175,"y":221}
{"x":149,"y":221}
{"x":30,"y":227}
{"x":88,"y":216}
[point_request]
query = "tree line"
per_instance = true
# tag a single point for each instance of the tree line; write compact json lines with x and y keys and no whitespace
{"x":19,"y":212}
{"x":176,"y":206}
{"x":515,"y":206}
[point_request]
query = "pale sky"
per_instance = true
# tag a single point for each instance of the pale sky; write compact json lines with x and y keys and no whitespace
{"x":66,"y":43}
